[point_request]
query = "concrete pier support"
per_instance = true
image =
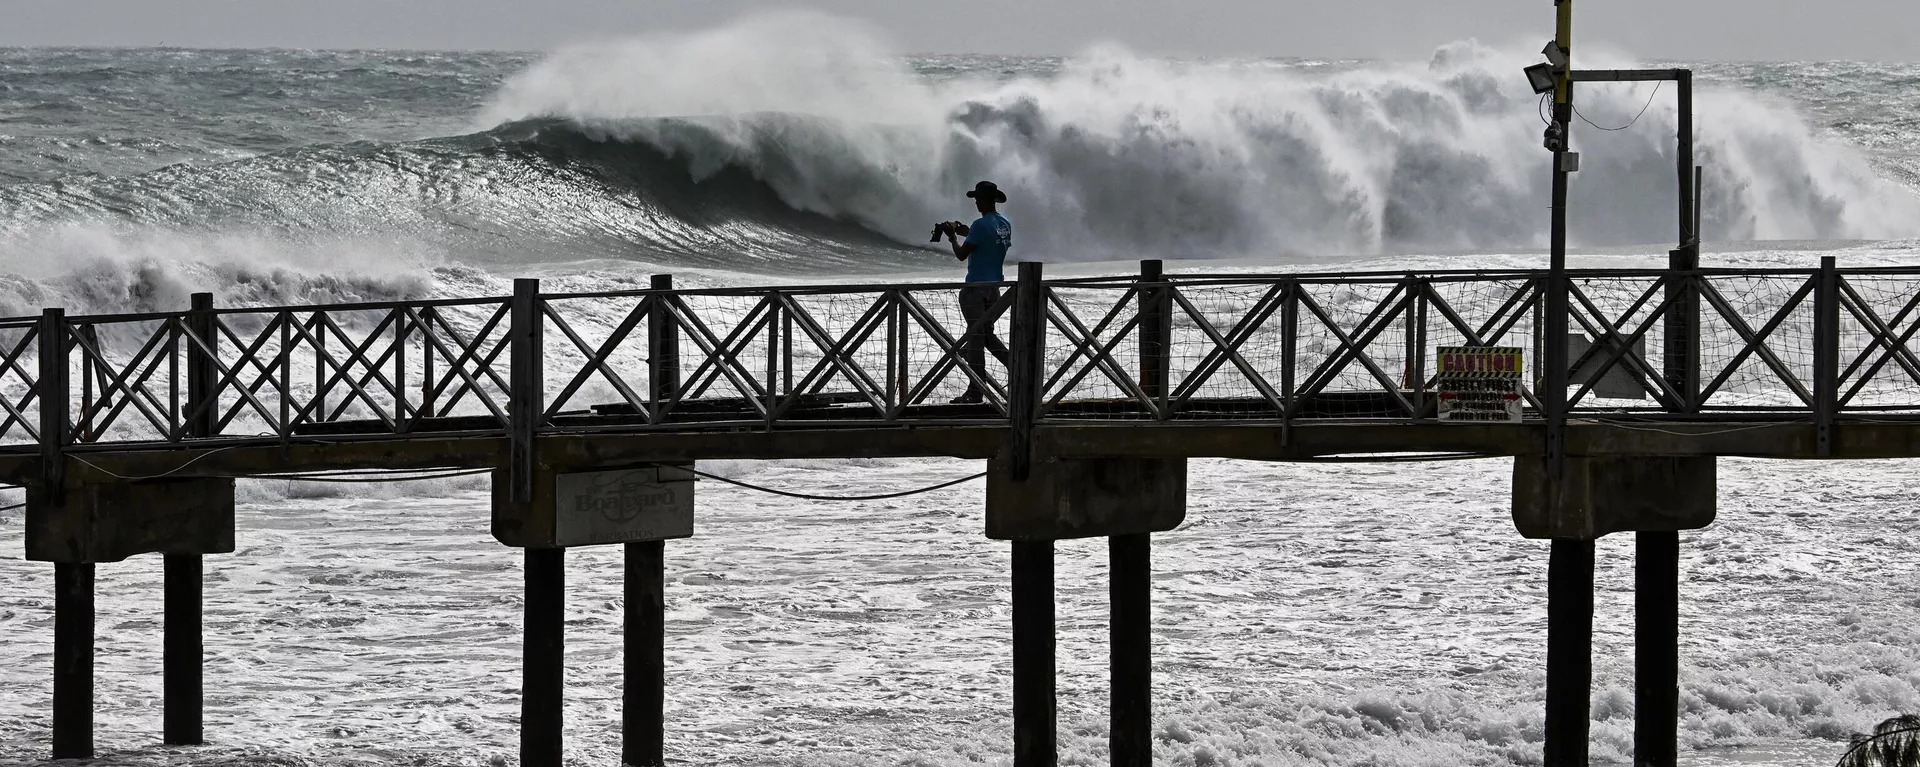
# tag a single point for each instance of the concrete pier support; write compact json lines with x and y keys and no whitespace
{"x":1033,"y":658}
{"x":1569,"y":651}
{"x":1124,"y":500}
{"x":184,"y":652}
{"x":1654,"y":497}
{"x":86,"y":522}
{"x":73,"y":660}
{"x":1597,"y":495}
{"x":1130,"y":638}
{"x":543,"y":667}
{"x":1656,"y":649}
{"x":643,"y":721}
{"x":1086,"y":498}
{"x":639,"y":507}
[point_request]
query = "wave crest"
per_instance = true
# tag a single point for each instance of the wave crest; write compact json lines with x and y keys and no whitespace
{"x":1118,"y":154}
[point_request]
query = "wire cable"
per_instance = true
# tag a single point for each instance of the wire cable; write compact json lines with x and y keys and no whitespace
{"x":1707,"y":433}
{"x":1390,"y":458}
{"x":167,"y":473}
{"x":1636,"y":118}
{"x":817,"y":497}
{"x":370,"y":478}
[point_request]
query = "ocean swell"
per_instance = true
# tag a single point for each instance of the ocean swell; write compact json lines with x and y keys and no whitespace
{"x":1115,"y":155}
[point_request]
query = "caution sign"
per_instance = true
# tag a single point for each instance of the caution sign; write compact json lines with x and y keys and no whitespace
{"x":1479,"y":383}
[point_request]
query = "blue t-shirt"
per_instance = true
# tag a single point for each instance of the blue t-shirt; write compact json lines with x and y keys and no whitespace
{"x":990,"y":236}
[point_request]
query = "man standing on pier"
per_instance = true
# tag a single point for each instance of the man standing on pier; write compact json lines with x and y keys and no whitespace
{"x":985,"y":251}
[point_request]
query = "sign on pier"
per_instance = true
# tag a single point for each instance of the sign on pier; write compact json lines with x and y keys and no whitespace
{"x":1480,"y":383}
{"x":625,"y":506}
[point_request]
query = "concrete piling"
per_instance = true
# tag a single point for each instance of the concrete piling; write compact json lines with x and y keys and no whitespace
{"x":1656,"y":648}
{"x":1652,"y":496}
{"x":643,"y":719}
{"x":73,"y":660}
{"x":183,"y":651}
{"x":544,"y":665}
{"x":1130,"y":638}
{"x":1569,"y":651}
{"x":1033,"y":655}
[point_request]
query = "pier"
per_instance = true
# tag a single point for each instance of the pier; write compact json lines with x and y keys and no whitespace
{"x":592,"y":412}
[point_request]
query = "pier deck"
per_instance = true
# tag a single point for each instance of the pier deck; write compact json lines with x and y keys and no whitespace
{"x":128,"y":430}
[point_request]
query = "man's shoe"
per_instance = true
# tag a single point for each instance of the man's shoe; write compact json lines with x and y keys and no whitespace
{"x":970,"y":398}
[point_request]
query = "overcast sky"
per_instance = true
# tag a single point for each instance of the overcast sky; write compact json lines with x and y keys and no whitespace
{"x":1395,"y":29}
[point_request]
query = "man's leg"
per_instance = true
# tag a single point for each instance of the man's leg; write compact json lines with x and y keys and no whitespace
{"x":974,"y":304}
{"x":990,"y":296}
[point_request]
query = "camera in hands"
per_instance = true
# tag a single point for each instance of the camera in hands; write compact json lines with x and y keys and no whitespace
{"x":946,"y":229}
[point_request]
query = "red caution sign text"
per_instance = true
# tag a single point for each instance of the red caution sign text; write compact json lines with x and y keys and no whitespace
{"x":1479,"y":383}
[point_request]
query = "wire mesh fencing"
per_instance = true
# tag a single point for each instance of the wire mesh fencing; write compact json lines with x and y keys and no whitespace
{"x":1794,"y":344}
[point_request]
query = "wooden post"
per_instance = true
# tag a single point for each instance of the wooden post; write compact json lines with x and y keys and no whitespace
{"x":1569,"y":651}
{"x":184,"y":576}
{"x":663,"y":349}
{"x":1156,"y":333}
{"x":1027,"y":368}
{"x":1683,"y":165}
{"x":643,"y":722}
{"x":1826,"y":355}
{"x":527,"y":400}
{"x":1033,"y":659}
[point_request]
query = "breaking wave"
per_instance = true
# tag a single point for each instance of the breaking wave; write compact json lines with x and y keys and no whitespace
{"x":1115,"y":154}
{"x":751,"y":152}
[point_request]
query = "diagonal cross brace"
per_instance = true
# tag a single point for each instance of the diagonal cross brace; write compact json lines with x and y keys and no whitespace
{"x":597,"y":358}
{"x":1755,"y":343}
{"x":1353,"y":349}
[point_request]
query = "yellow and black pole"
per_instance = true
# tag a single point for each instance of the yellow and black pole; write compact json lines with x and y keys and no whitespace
{"x":1554,"y":399}
{"x":1570,"y":568}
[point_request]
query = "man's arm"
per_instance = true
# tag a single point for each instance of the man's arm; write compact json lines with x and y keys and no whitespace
{"x":960,"y":249}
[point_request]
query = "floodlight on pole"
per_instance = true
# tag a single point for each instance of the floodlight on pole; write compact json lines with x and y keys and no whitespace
{"x":1541,"y":77}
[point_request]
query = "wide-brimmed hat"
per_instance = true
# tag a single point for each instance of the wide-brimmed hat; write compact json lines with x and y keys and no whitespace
{"x":985,"y":190}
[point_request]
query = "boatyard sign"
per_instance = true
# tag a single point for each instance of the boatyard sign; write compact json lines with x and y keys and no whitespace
{"x":626,"y":506}
{"x":1479,"y":383}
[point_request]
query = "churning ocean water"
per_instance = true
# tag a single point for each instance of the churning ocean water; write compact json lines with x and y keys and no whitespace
{"x":1306,"y":615}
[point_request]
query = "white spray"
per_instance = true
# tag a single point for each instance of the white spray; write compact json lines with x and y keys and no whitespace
{"x":1117,"y":155}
